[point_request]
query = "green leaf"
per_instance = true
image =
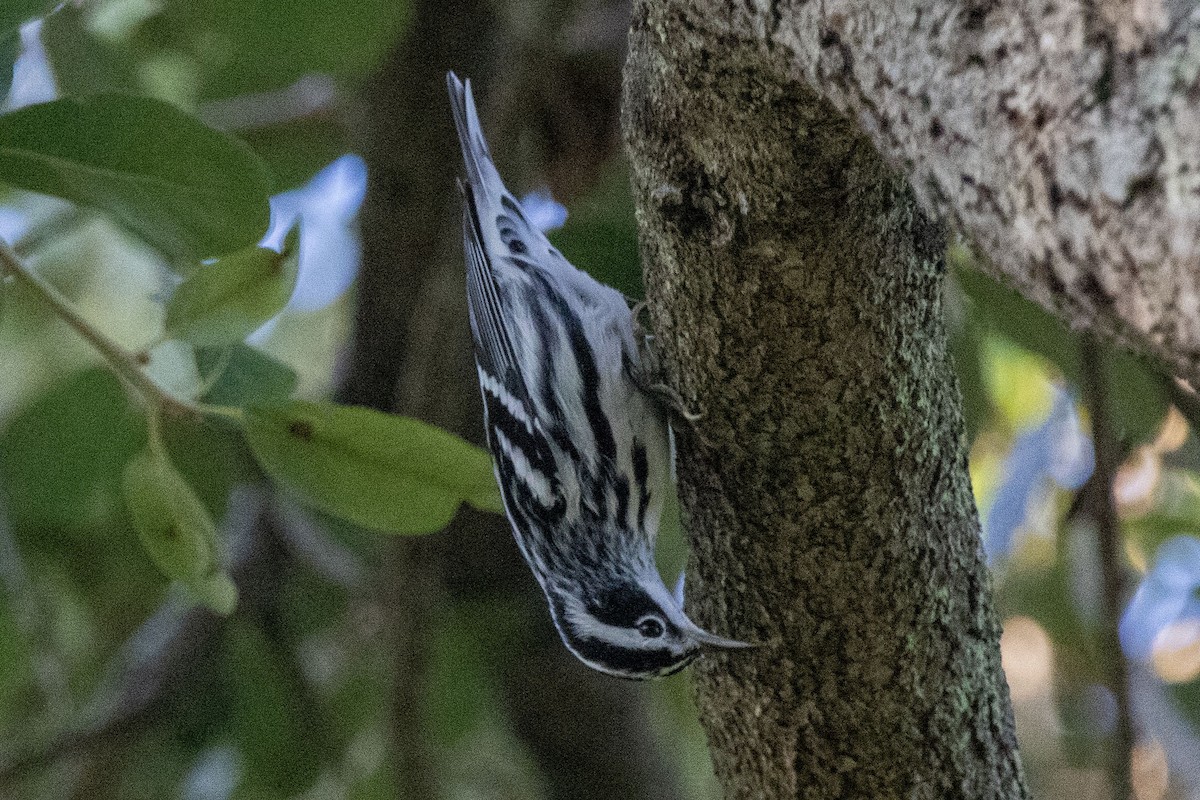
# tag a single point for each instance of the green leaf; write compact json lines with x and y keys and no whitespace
{"x":1027,"y":324}
{"x":1138,"y":396}
{"x":224,"y":302}
{"x":175,"y":528}
{"x":242,"y":375}
{"x":268,"y":44}
{"x":283,"y":740}
{"x":13,"y":13}
{"x":84,"y":62}
{"x":380,"y":471}
{"x":296,"y":149}
{"x":61,"y":456}
{"x":212,"y":458}
{"x":186,"y":188}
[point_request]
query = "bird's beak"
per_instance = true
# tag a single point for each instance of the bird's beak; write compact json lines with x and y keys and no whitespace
{"x":711,"y":639}
{"x":674,"y":605}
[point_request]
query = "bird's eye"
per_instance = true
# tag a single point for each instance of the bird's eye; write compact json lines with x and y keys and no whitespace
{"x":650,"y":627}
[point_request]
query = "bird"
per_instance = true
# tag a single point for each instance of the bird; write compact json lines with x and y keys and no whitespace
{"x":580,"y":445}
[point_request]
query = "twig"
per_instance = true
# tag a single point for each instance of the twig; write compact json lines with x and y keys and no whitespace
{"x":48,"y":228}
{"x":124,"y":363}
{"x":1108,"y":532}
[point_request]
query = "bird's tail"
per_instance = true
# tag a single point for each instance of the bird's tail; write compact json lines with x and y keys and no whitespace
{"x":481,"y":172}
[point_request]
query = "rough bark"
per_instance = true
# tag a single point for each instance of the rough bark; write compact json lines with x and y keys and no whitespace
{"x":795,"y":289}
{"x":1063,"y":138}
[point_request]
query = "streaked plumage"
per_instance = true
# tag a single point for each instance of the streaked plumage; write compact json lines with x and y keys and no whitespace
{"x":580,"y":452}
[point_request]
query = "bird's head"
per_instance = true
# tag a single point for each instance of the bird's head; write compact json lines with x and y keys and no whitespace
{"x":631,"y":628}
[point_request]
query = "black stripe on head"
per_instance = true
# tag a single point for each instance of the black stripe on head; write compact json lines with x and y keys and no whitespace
{"x":631,"y":664}
{"x":623,"y":605}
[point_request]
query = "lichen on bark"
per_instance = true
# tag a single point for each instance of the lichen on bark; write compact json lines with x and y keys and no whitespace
{"x":795,"y":291}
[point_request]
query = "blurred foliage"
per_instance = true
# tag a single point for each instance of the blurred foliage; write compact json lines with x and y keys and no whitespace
{"x":599,"y":236}
{"x":184,"y":187}
{"x":1139,"y":390}
{"x":62,"y":469}
{"x":176,"y":120}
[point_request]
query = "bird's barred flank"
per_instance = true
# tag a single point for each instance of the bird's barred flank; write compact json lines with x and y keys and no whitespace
{"x":581,"y":453}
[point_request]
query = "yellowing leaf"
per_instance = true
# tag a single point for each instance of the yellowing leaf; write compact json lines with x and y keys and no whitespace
{"x":223,"y":302}
{"x":381,"y":471}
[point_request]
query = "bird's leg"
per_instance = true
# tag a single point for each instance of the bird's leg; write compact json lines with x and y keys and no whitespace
{"x":649,"y":376}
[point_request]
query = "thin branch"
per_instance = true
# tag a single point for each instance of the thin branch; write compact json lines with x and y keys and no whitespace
{"x":120,"y":360}
{"x":1108,"y":532}
{"x":45,"y":229}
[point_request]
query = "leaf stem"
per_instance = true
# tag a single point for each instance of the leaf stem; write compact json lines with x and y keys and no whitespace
{"x":120,"y":360}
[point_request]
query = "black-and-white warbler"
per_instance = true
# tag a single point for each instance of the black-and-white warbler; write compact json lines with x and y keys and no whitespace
{"x":581,"y":453}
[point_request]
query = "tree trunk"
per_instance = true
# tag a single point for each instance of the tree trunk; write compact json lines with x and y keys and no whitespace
{"x":1063,"y":138}
{"x":795,"y":290}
